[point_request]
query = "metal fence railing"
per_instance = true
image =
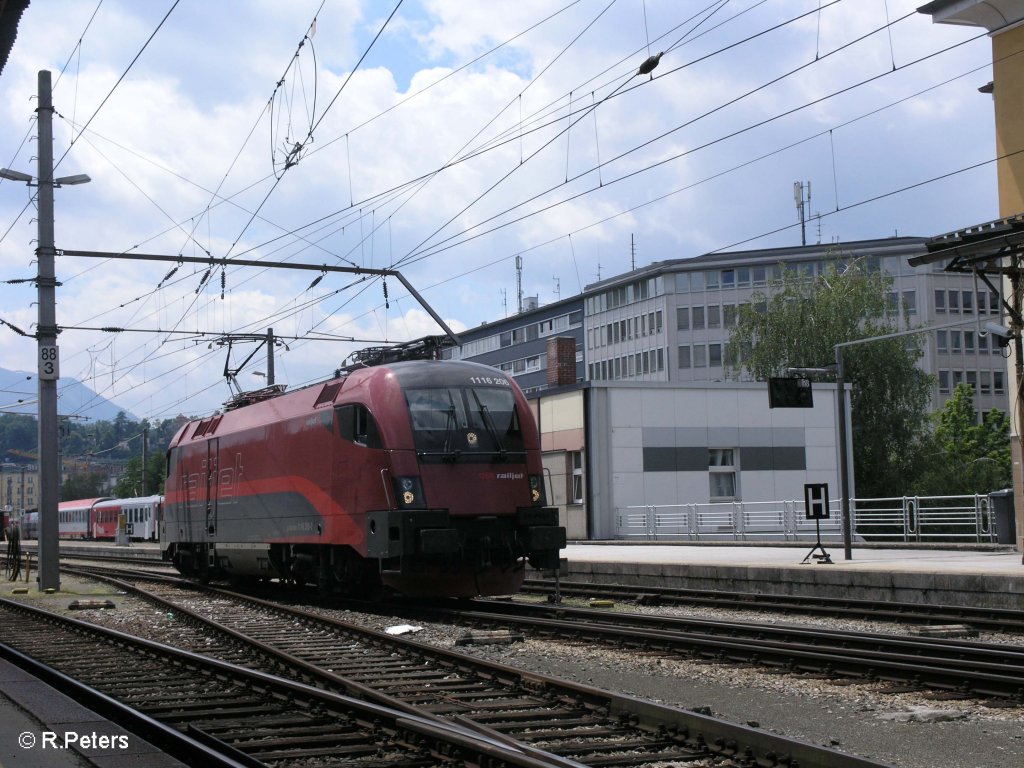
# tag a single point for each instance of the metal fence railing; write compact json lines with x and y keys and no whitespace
{"x":898,"y":519}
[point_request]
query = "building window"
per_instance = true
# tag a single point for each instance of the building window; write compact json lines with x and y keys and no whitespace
{"x":729,"y":315}
{"x":714,"y":355}
{"x":967,"y":301}
{"x":986,"y":382}
{"x":700,"y":356}
{"x":722,"y":474}
{"x":576,"y":459}
{"x":684,"y":357}
{"x":714,"y":316}
{"x":954,"y":301}
{"x":698,"y":318}
{"x":997,"y":382}
{"x":942,"y":341}
{"x":940,"y":300}
{"x":682,"y":319}
{"x":910,"y":302}
{"x":944,"y":382}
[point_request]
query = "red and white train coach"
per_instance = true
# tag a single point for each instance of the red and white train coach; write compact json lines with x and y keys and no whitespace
{"x":424,"y":476}
{"x":76,"y":519}
{"x":141,"y":517}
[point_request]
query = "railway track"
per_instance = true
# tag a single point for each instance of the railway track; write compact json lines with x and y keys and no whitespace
{"x":989,"y":619}
{"x":947,"y":668}
{"x":230,"y":715}
{"x":579,"y":724}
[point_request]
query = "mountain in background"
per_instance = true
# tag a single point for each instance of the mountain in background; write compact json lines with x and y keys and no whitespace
{"x":73,"y":398}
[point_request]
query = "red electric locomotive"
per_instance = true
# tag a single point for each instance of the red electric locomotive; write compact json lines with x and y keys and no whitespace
{"x":424,"y":476}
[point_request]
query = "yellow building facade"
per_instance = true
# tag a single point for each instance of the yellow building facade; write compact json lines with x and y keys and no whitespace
{"x":19,"y":488}
{"x":1004,"y":19}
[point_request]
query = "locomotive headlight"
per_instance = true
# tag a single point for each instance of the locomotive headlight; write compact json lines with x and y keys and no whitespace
{"x":410,"y":493}
{"x":537,"y":490}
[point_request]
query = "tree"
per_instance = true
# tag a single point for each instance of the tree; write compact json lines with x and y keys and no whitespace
{"x":967,"y":457}
{"x":88,"y":486}
{"x":798,"y":325}
{"x":129,"y":484}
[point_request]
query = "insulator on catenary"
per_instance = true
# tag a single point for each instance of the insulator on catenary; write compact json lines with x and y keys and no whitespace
{"x":648,"y":66}
{"x":168,"y":276}
{"x":203,"y":281}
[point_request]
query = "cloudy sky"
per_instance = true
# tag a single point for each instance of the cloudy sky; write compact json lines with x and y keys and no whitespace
{"x":442,"y":139}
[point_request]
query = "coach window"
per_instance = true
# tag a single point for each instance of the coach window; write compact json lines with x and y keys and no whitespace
{"x":357,"y":425}
{"x":722,"y":474}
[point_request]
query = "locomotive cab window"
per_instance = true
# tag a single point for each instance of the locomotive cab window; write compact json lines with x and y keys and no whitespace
{"x":456,"y":423}
{"x":357,"y":425}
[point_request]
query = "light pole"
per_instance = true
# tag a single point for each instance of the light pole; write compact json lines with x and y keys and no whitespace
{"x":46,"y":336}
{"x":843,"y":437}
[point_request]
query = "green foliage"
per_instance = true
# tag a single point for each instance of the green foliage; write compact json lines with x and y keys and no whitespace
{"x":88,"y":443}
{"x":18,"y":435}
{"x":129,"y":484}
{"x":966,"y":457}
{"x":798,"y":326}
{"x":86,"y":486}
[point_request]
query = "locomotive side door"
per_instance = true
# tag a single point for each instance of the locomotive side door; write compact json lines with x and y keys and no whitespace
{"x":212,"y":486}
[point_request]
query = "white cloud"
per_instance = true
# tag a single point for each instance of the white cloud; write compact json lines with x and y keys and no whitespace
{"x":194,"y":114}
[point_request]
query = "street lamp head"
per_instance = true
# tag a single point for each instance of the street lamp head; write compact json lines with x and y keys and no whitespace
{"x":7,"y":173}
{"x":78,"y":178}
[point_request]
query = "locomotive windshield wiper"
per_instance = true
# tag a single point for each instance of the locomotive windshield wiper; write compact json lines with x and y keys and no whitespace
{"x":485,"y":413}
{"x":449,"y":455}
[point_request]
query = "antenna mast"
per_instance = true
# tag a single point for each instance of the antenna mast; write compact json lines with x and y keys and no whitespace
{"x":519,"y":281}
{"x":802,"y":205}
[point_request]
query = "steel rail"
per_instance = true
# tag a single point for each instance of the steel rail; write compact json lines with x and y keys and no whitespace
{"x":985,"y":670}
{"x":991,"y":619}
{"x":623,"y":721}
{"x":150,"y":670}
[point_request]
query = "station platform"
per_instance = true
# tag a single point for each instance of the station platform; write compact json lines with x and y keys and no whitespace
{"x":986,"y":575}
{"x":990,"y":576}
{"x":42,"y":728}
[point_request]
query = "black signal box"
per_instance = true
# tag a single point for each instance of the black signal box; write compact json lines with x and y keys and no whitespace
{"x":790,"y":393}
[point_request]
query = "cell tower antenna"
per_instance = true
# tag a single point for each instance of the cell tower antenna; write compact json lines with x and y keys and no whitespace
{"x":519,"y":282}
{"x":632,"y":253}
{"x":504,"y":301}
{"x":802,"y":205}
{"x":558,"y":288}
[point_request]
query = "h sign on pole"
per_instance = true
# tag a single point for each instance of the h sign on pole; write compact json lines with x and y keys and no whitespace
{"x":816,"y":501}
{"x":816,"y":509}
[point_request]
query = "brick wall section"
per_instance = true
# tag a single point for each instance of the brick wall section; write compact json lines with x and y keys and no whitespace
{"x":561,"y":361}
